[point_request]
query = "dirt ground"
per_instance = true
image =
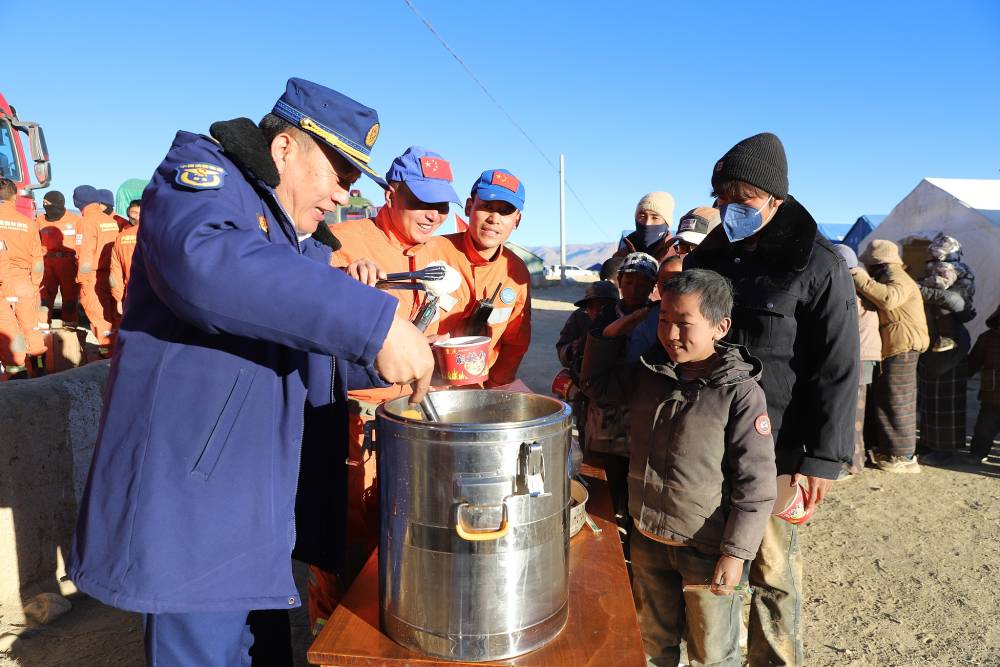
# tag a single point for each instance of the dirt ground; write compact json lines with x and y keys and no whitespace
{"x":899,"y":569}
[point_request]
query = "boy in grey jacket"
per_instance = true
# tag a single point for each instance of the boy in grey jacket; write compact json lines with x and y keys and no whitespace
{"x":702,"y":473}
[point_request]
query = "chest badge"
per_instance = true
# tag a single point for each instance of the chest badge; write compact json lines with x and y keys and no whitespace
{"x":508,"y":295}
{"x":262,"y":221}
{"x":200,"y":175}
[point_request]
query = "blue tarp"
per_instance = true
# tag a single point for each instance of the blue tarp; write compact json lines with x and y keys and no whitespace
{"x":834,"y":231}
{"x":861,"y":228}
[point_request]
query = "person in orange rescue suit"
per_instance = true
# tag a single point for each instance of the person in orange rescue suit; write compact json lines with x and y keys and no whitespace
{"x":99,"y":231}
{"x":12,"y":342}
{"x":19,"y":234}
{"x":416,"y":205}
{"x":58,"y":229}
{"x":121,"y":258}
{"x":487,"y":267}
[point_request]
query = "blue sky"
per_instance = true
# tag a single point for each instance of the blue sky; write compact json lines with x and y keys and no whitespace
{"x":868,"y":97}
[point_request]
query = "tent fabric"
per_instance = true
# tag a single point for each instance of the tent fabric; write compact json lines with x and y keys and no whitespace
{"x":835,"y":231}
{"x":861,"y":228}
{"x":128,"y":192}
{"x":949,"y":205}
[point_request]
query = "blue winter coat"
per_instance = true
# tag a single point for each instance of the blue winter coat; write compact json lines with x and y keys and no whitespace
{"x":232,"y":332}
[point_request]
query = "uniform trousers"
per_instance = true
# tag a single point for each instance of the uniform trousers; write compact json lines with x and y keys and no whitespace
{"x":259,"y":638}
{"x":60,"y":276}
{"x":27,"y":310}
{"x":99,"y":304}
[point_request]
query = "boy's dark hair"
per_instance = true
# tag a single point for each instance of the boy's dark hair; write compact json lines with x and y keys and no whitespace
{"x":737,"y":191}
{"x":609,"y":269}
{"x":7,"y":189}
{"x":715,"y":291}
{"x":134,"y":202}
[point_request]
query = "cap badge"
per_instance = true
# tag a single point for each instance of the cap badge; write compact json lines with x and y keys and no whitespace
{"x":372,"y":135}
{"x":508,"y":295}
{"x":687,"y":225}
{"x":200,"y":175}
{"x":508,"y":181}
{"x":435,"y":167}
{"x":262,"y":222}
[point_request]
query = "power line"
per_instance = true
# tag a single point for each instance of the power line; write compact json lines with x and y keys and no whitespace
{"x":499,"y":106}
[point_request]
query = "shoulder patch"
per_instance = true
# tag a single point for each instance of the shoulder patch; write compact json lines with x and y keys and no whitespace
{"x":508,"y":295}
{"x":763,"y":424}
{"x":200,"y":175}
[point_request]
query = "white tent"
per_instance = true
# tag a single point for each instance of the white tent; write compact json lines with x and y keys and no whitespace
{"x":967,"y":209}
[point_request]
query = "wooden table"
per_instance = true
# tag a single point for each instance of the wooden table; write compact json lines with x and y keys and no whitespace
{"x":602,"y":628}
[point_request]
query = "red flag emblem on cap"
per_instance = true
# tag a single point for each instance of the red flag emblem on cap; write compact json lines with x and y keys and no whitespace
{"x":505,"y":181}
{"x":435,"y":167}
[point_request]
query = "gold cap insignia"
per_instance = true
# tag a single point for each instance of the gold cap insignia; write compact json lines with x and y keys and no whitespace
{"x":372,"y":136}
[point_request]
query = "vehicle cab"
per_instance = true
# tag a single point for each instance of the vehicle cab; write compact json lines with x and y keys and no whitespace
{"x":14,"y":158}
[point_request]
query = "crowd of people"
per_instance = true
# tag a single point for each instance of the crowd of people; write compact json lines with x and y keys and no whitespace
{"x":83,"y":259}
{"x":709,"y":362}
{"x":705,"y":365}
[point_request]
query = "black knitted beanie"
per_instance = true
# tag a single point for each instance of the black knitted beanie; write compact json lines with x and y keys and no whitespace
{"x":758,"y":160}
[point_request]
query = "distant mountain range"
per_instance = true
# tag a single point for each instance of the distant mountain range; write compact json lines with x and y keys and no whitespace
{"x":584,"y":256}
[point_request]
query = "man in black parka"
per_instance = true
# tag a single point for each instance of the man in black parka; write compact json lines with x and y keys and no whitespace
{"x":795,"y":311}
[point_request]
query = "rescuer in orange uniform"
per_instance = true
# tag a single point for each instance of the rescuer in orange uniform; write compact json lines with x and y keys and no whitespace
{"x":25,"y":268}
{"x":58,"y":229}
{"x":121,"y":259}
{"x":488,"y":268}
{"x":99,"y":232}
{"x":12,"y":343}
{"x":416,"y":205}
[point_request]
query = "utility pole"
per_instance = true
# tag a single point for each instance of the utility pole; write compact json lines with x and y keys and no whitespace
{"x":562,"y":219}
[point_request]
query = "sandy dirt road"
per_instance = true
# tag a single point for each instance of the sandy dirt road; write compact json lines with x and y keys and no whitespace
{"x":900,"y":570}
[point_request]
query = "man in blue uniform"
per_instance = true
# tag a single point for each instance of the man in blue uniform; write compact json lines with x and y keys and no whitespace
{"x":231,"y":369}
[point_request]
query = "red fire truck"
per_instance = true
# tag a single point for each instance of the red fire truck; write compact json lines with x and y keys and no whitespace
{"x":14,"y":159}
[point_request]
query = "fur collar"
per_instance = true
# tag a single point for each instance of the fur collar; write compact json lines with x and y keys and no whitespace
{"x":244,"y":144}
{"x":787,"y":240}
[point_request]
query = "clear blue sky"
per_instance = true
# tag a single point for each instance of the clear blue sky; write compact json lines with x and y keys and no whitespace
{"x":868,"y":97}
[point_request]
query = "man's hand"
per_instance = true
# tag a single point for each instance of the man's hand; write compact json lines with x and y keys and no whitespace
{"x":626,"y":324}
{"x":816,"y":491}
{"x":728,"y":572}
{"x":366,"y":271}
{"x":405,"y":358}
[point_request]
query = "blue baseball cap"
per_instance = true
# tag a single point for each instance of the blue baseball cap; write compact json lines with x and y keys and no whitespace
{"x":427,"y":174}
{"x":348,"y":127}
{"x":500,"y":184}
{"x":106,"y":197}
{"x":85,"y":195}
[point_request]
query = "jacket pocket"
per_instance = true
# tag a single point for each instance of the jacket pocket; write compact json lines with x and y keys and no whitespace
{"x":209,"y":456}
{"x":769,"y":317}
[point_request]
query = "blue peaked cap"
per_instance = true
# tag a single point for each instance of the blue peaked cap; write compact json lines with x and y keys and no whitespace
{"x":347,"y":126}
{"x":85,"y":195}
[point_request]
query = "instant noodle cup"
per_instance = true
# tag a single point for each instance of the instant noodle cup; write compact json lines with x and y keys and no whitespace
{"x":790,"y":505}
{"x":462,"y":360}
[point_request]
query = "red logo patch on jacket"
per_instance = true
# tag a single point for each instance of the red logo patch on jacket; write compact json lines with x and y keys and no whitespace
{"x":763,"y":424}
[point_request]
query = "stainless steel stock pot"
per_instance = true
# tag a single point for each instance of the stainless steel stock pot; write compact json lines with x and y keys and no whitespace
{"x":473,"y":553}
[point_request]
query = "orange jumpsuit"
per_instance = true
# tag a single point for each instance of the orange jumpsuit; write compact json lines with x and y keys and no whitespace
{"x":59,"y":238}
{"x":12,"y":342}
{"x":509,"y":326}
{"x":377,"y":241}
{"x":121,"y":264}
{"x":99,"y":233}
{"x":26,"y":267}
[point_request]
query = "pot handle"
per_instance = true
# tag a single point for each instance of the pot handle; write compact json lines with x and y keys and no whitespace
{"x":473,"y":535}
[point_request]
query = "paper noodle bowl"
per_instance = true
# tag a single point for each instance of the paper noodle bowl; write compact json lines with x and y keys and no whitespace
{"x":790,"y":505}
{"x":463,"y":360}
